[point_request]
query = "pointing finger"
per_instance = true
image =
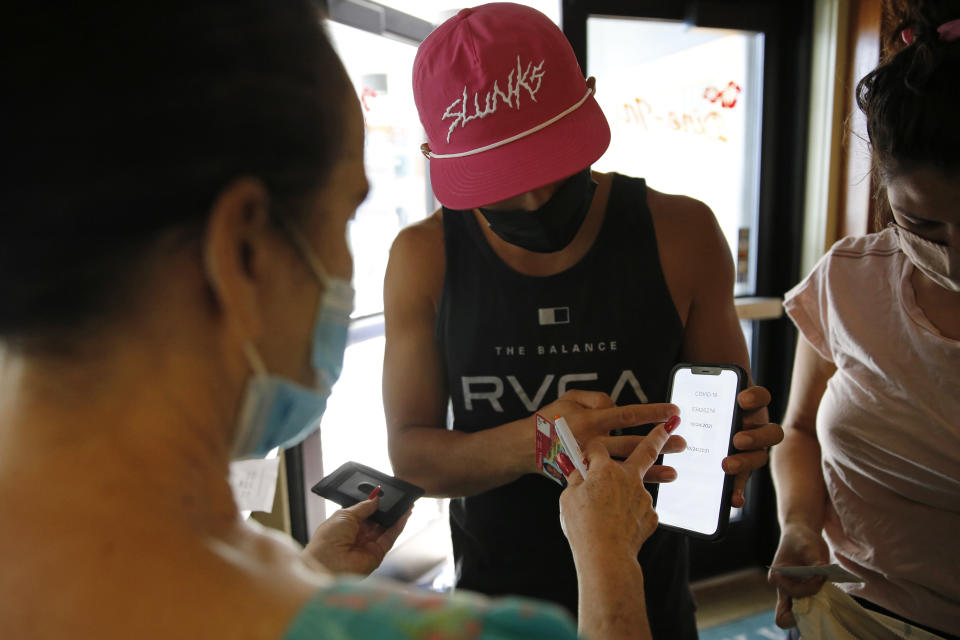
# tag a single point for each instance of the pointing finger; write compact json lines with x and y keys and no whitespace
{"x":602,"y":421}
{"x":649,"y":450}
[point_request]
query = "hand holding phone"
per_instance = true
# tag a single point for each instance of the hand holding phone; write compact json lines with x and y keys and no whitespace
{"x":697,"y":503}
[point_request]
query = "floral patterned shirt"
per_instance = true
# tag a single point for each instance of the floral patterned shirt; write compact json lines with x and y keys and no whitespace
{"x":372,"y":609}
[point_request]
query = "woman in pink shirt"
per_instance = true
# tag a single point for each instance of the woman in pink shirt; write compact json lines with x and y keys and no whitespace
{"x":868,"y":474}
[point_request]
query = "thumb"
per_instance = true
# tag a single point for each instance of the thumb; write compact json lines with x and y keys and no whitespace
{"x":364,"y":509}
{"x":784,"y":612}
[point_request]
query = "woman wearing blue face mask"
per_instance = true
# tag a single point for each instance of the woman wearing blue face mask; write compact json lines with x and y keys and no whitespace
{"x":174,"y":274}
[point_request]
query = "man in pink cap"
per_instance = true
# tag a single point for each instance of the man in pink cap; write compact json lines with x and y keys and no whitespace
{"x":541,"y":286}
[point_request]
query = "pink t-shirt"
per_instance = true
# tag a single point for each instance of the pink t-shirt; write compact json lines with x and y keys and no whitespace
{"x":889,"y":429}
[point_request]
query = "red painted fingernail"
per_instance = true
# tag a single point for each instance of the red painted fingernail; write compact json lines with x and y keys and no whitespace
{"x":376,"y":492}
{"x":565,"y":465}
{"x":672,"y":424}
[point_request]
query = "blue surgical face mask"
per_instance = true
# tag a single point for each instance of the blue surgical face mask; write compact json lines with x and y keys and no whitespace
{"x":277,"y":412}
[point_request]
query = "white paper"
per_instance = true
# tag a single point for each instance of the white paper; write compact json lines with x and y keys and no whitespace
{"x":832,"y":572}
{"x":570,"y":444}
{"x":254,"y":482}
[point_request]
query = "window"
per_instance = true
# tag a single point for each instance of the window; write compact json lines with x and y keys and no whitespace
{"x":690,"y":98}
{"x":380,"y":69}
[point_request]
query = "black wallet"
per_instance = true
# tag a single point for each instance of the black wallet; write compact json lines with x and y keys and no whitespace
{"x":354,"y":482}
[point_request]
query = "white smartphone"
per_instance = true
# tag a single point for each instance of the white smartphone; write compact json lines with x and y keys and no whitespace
{"x":697,"y":503}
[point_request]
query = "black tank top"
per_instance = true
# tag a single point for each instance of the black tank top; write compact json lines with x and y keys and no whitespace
{"x":513,"y":343}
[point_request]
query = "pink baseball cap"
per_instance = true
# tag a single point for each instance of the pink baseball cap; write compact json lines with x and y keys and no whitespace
{"x":504,"y":104}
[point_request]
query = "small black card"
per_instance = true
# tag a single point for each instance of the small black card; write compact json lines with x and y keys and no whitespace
{"x":354,"y":482}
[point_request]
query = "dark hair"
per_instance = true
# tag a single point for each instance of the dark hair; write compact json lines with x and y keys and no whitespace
{"x":910,"y":99}
{"x":122,"y":120}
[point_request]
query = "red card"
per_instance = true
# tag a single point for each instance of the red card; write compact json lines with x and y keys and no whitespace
{"x":551,"y":458}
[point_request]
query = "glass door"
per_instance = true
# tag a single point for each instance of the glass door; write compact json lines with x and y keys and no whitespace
{"x":684,"y":105}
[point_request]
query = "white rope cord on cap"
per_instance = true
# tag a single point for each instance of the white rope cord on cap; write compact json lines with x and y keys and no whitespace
{"x":522,"y":134}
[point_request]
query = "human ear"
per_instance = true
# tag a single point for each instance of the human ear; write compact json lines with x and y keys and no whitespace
{"x":237,"y":250}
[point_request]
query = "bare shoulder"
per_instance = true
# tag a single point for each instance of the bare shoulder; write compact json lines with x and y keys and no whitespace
{"x":253,"y":580}
{"x":684,"y":225}
{"x":417,"y":259}
{"x":255,"y":584}
{"x":693,"y":251}
{"x":679,"y":215}
{"x":159,"y":582}
{"x":424,"y":233}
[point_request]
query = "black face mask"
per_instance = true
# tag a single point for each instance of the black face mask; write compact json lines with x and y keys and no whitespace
{"x":551,"y":227}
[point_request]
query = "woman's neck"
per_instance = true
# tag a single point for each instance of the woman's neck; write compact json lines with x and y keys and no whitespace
{"x":139,"y":431}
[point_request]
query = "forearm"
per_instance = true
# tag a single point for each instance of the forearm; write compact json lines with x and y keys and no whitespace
{"x":798,"y":479}
{"x":612,"y":603}
{"x":454,"y":463}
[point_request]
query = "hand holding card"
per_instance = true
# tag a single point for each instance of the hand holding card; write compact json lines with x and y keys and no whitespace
{"x":551,"y":459}
{"x":558,"y":452}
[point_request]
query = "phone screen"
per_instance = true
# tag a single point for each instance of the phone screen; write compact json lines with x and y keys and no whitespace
{"x":707,"y":402}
